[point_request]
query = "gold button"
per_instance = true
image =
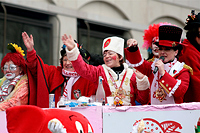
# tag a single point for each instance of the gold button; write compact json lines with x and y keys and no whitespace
{"x":170,"y":88}
{"x":167,"y":85}
{"x":162,"y":81}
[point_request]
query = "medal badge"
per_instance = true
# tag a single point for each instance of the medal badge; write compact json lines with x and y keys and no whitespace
{"x":120,"y":92}
{"x":160,"y":94}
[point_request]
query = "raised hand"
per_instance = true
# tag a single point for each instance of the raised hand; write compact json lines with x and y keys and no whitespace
{"x":28,"y":41}
{"x":138,"y":74}
{"x":132,"y":42}
{"x":68,"y":41}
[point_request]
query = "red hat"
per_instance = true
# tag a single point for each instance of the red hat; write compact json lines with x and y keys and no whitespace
{"x":16,"y":56}
{"x":169,"y":35}
{"x":151,"y":34}
{"x":32,"y":119}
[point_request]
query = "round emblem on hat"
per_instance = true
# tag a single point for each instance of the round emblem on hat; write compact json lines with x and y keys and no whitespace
{"x":106,"y":43}
{"x":173,"y":44}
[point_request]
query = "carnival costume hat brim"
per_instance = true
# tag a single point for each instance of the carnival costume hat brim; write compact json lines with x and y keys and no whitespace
{"x":192,"y":21}
{"x":169,"y":36}
{"x":16,"y":56}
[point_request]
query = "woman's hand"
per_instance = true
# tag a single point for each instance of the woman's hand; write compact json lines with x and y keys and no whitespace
{"x":68,"y":41}
{"x":132,"y":42}
{"x":160,"y":66}
{"x":138,"y":74}
{"x":28,"y":41}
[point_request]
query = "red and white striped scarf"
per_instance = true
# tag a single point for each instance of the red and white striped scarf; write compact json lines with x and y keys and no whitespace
{"x":68,"y":86}
{"x":7,"y":87}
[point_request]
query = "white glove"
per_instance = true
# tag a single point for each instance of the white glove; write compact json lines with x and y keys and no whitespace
{"x":138,"y":127}
{"x":55,"y":126}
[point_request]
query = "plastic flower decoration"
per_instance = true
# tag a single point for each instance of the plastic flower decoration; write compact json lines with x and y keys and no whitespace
{"x":15,"y":48}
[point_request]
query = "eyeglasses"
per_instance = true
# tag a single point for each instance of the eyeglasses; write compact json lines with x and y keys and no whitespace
{"x":12,"y":67}
{"x":109,"y":53}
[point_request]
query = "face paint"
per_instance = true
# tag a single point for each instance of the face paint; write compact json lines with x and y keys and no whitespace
{"x":10,"y":75}
{"x":12,"y":67}
{"x":114,"y":57}
{"x":155,"y":50}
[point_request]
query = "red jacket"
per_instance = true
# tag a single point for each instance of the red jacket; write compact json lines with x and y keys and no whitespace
{"x":92,"y":73}
{"x":45,"y":79}
{"x":167,"y":81}
{"x":191,"y":56}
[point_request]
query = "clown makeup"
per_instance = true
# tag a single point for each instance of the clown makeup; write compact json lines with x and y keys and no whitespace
{"x":11,"y":70}
{"x":12,"y":67}
{"x":10,"y":76}
{"x":155,"y":49}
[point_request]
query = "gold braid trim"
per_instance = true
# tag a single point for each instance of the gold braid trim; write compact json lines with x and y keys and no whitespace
{"x":164,"y":88}
{"x":151,"y":60}
{"x":189,"y":68}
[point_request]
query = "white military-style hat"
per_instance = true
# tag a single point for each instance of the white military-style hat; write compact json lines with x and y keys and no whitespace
{"x":115,"y":44}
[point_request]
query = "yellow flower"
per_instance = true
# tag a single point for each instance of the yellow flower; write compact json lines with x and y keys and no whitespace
{"x":18,"y":49}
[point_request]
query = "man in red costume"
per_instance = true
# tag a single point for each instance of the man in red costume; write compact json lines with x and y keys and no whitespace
{"x":191,"y":55}
{"x":61,"y":80}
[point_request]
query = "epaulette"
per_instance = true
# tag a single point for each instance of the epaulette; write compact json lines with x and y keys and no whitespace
{"x":189,"y":68}
{"x":151,"y":60}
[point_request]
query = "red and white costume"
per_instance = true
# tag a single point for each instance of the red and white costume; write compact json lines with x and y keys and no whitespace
{"x":92,"y":73}
{"x":45,"y":79}
{"x":191,"y":56}
{"x":175,"y":81}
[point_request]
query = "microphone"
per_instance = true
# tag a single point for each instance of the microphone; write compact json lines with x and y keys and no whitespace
{"x":156,"y":68}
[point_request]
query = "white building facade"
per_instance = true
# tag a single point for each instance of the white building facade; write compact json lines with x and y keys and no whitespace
{"x":88,"y":21}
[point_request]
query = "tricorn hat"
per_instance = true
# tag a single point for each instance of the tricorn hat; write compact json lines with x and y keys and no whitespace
{"x":193,"y":20}
{"x":169,"y":35}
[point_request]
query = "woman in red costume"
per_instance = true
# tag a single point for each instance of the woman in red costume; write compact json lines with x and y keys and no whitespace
{"x":170,"y":81}
{"x":61,"y":80}
{"x":118,"y":80}
{"x":191,"y":55}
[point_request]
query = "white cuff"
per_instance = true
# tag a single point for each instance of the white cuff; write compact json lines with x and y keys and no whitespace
{"x":72,"y":55}
{"x":175,"y":88}
{"x":142,"y":84}
{"x":134,"y":65}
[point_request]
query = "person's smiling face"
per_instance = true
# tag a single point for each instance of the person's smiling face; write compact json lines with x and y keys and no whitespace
{"x":111,"y":58}
{"x":67,"y":65}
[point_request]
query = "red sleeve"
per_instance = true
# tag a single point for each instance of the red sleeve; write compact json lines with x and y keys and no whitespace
{"x":177,"y":85}
{"x":85,"y":70}
{"x":135,"y":60}
{"x":31,"y":62}
{"x":140,"y":96}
